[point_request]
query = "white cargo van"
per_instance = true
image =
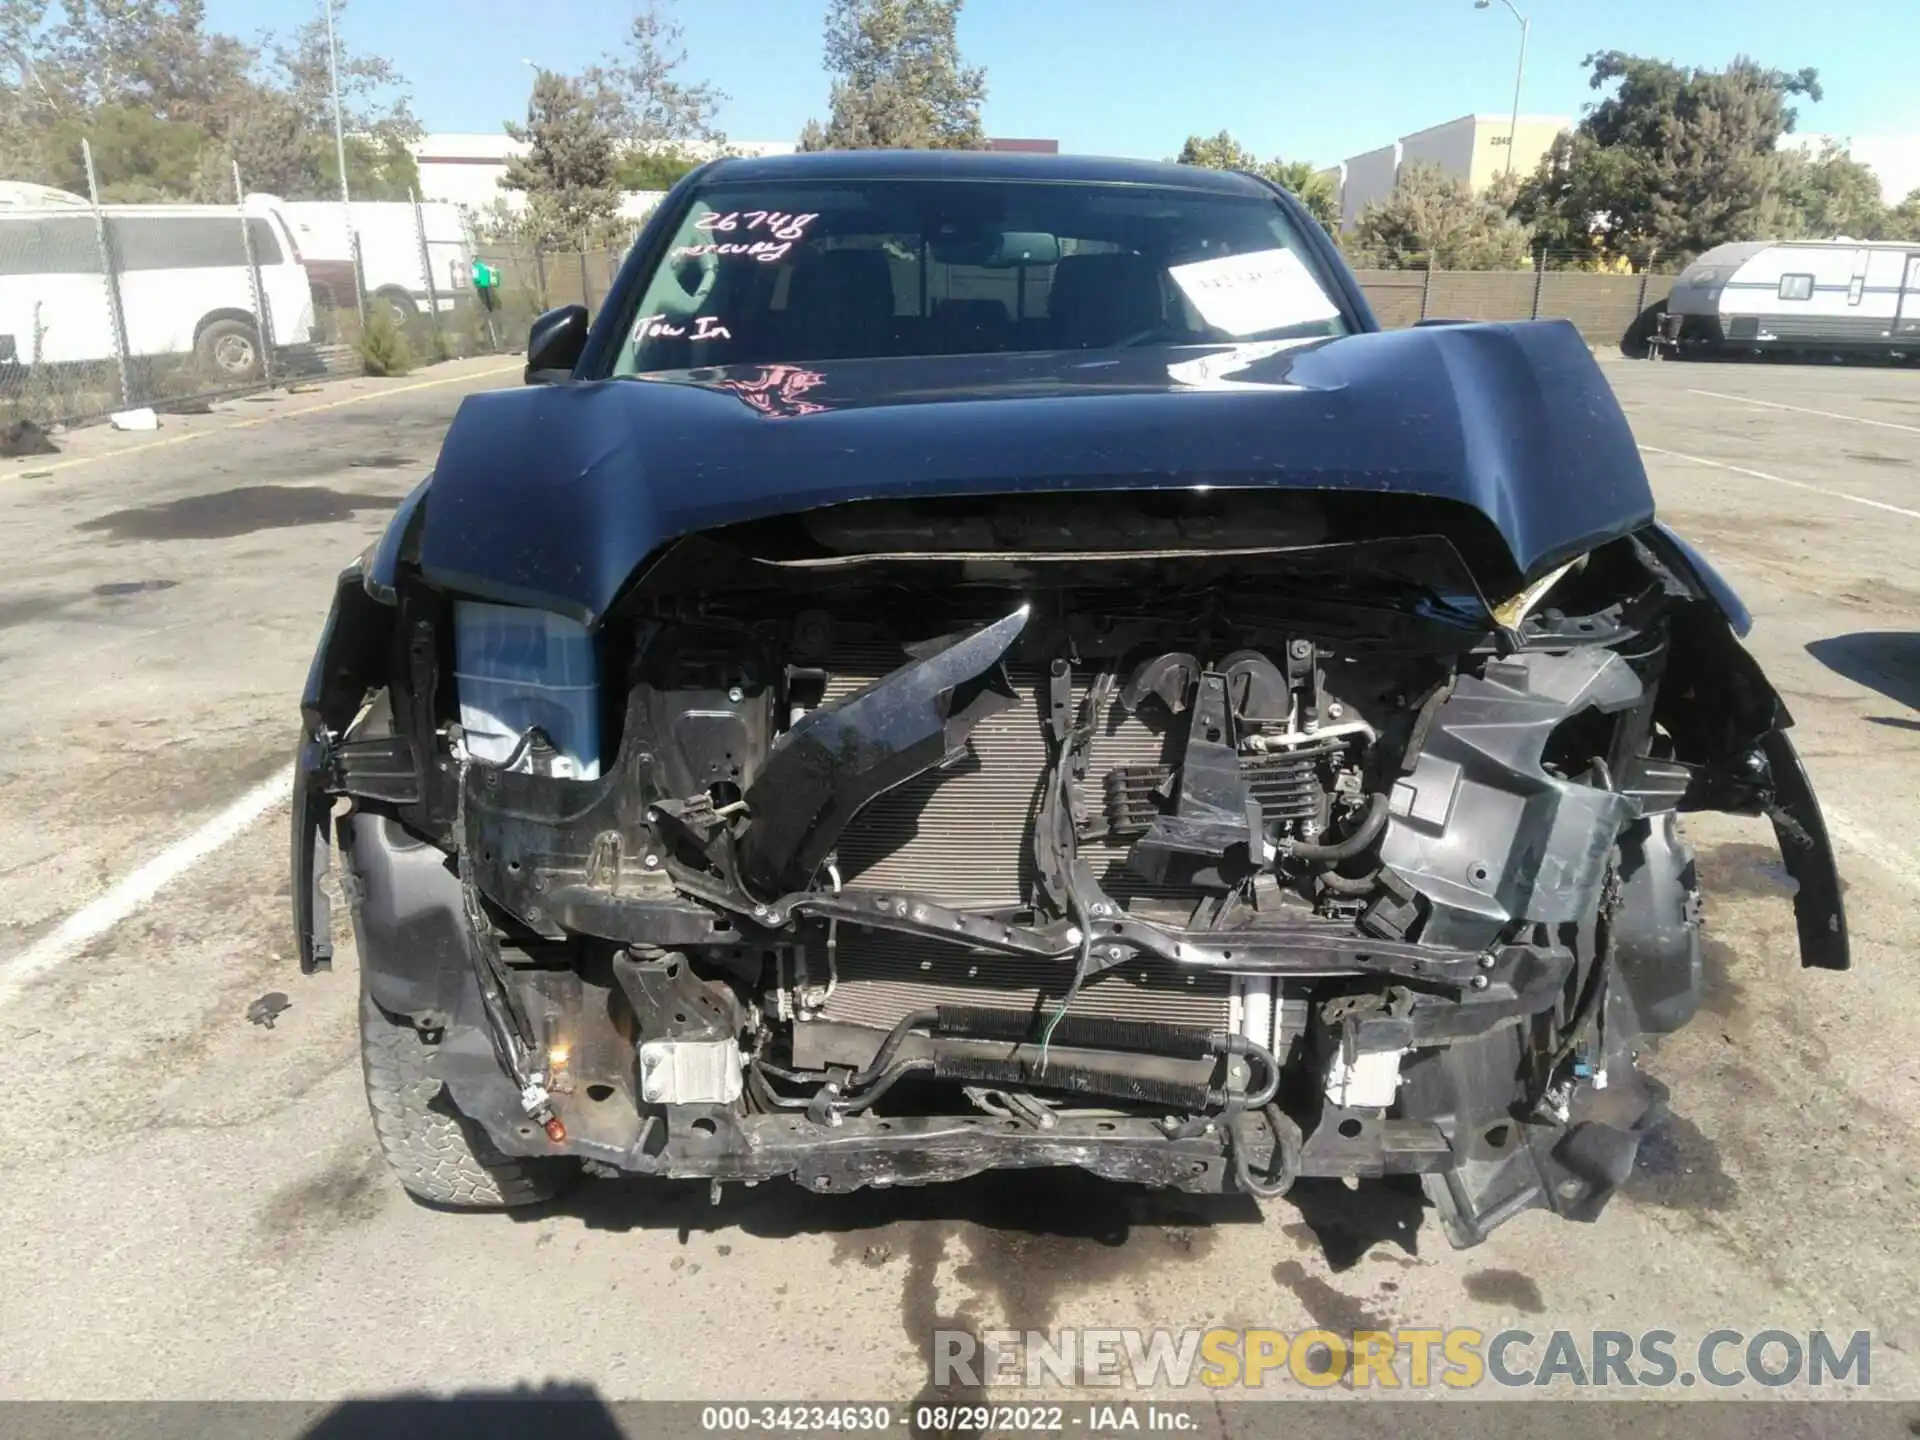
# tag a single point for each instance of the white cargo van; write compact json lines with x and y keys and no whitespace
{"x":390,"y":258}
{"x":183,"y":279}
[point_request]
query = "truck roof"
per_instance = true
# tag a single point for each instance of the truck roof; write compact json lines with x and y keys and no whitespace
{"x":980,"y":165}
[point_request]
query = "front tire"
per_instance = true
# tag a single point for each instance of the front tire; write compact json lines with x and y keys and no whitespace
{"x":400,"y":307}
{"x":439,"y":1154}
{"x":229,"y":350}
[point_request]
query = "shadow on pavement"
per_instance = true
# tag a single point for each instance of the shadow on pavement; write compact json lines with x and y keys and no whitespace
{"x":1079,"y":1210}
{"x":1884,"y":660}
{"x":555,"y":1412}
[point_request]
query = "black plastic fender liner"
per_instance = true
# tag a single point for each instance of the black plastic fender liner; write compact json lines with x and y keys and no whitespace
{"x":841,"y":756}
{"x":1728,"y":721}
{"x":351,"y":660}
{"x":1801,"y":830}
{"x":1681,"y":556}
{"x":1659,"y":967}
{"x":312,"y":851}
{"x":408,"y":922}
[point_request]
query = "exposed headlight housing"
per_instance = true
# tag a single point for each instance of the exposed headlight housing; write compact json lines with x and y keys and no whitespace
{"x":516,"y":669}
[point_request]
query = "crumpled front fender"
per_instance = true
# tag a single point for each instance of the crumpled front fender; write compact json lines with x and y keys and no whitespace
{"x":1730,"y":725}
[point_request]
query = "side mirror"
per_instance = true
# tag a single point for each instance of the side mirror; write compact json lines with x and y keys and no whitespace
{"x":554,"y":345}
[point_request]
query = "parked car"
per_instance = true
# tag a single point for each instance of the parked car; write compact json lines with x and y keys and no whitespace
{"x":184,"y":285}
{"x":994,"y":660}
{"x":1831,"y":297}
{"x":391,"y":262}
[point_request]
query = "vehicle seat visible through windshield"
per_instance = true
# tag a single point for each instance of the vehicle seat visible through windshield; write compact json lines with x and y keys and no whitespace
{"x":969,"y":327}
{"x":1100,"y":299}
{"x":841,"y":306}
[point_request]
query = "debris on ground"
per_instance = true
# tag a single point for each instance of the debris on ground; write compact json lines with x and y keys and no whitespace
{"x":144,"y":418}
{"x":268,"y":1008}
{"x":25,"y":437}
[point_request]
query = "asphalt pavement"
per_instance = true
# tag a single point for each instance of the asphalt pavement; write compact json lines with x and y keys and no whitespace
{"x":191,"y":1206}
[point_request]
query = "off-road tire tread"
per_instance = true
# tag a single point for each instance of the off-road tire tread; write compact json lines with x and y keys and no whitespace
{"x":437,"y":1153}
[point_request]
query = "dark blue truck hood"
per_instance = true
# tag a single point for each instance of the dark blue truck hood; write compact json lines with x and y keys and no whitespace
{"x":554,"y":495}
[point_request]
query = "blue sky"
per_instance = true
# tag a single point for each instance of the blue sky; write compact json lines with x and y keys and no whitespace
{"x":1305,"y":80}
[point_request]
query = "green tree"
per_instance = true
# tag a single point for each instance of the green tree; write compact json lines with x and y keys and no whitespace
{"x":1312,"y":187}
{"x":137,"y":155}
{"x":899,"y":81}
{"x":1826,"y":196}
{"x":568,"y":173}
{"x":1674,"y":160}
{"x":1216,"y":152}
{"x":653,"y":169}
{"x":648,"y":104}
{"x":1903,"y":220}
{"x":662,"y":122}
{"x":141,"y":79}
{"x":1433,"y":219}
{"x":154,"y":55}
{"x":374,"y":111}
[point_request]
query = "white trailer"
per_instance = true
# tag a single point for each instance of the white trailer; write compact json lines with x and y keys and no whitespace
{"x":1857,"y":297}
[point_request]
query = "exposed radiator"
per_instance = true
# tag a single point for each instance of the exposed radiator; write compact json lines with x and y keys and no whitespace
{"x":960,"y":836}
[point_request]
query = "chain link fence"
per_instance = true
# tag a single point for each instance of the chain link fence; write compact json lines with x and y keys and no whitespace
{"x":110,"y":308}
{"x":107,"y":308}
{"x":103,"y":311}
{"x":532,"y":278}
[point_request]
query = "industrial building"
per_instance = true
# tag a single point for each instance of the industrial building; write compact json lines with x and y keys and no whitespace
{"x":1477,"y":149}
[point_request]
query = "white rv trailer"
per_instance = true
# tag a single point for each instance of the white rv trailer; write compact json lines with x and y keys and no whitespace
{"x":1822,"y":296}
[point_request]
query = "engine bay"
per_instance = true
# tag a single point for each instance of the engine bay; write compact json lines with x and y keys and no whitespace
{"x":908,"y":845}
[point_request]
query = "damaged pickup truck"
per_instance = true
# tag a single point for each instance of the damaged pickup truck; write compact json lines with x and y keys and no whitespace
{"x":994,"y":660}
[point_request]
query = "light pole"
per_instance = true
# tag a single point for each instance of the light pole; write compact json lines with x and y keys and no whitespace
{"x":340,"y":158}
{"x":1519,"y":72}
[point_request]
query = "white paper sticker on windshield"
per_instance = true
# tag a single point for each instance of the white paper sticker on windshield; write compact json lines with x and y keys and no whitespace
{"x":1249,"y":294}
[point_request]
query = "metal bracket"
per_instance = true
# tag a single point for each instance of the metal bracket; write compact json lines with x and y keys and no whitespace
{"x":690,"y":1072}
{"x":381,"y":767}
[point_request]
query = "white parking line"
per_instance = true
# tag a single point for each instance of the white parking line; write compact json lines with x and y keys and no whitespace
{"x":126,"y":895}
{"x":1805,"y":410}
{"x":1781,"y":480}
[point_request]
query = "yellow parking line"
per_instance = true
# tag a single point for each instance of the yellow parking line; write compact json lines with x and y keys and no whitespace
{"x":41,"y":470}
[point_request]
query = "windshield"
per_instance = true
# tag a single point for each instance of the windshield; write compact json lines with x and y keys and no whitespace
{"x":769,"y":273}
